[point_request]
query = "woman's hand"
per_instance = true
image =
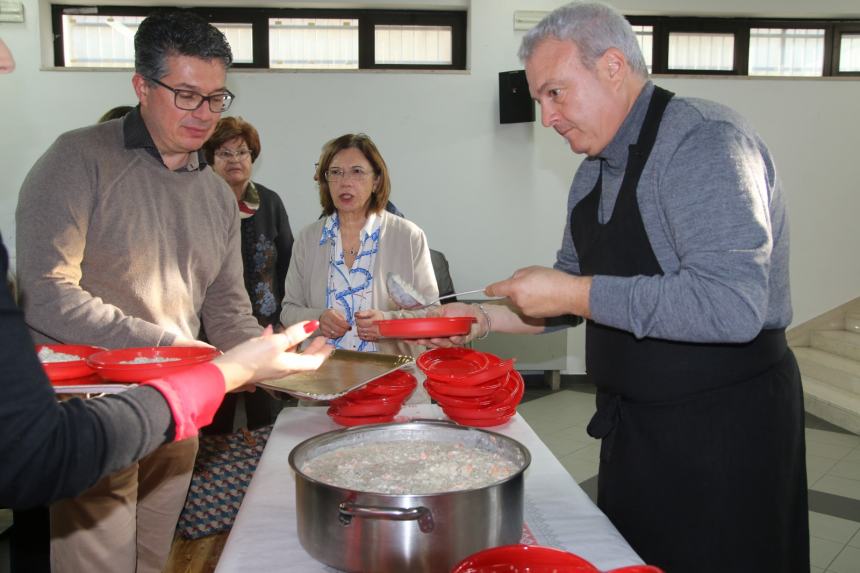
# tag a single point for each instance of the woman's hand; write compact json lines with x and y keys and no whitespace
{"x":364,"y":321}
{"x":333,"y":324}
{"x":272,"y":356}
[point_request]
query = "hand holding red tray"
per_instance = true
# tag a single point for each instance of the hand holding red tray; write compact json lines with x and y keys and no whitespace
{"x":117,"y":365}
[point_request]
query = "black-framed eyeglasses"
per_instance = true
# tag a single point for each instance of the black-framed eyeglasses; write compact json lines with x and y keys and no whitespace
{"x":190,"y":100}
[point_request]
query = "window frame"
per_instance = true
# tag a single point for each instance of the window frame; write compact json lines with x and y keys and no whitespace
{"x":259,"y":20}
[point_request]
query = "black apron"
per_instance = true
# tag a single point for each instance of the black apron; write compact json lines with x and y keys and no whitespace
{"x":702,"y":464}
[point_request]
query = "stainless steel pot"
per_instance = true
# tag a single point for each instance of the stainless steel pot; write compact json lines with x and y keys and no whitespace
{"x":372,"y":532}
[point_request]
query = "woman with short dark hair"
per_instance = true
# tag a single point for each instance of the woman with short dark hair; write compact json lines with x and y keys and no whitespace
{"x":341,"y":261}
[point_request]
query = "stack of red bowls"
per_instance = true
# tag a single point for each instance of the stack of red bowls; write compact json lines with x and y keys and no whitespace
{"x":473,"y":388}
{"x":374,"y":403}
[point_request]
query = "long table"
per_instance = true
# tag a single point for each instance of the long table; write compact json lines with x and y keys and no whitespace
{"x":557,"y":512}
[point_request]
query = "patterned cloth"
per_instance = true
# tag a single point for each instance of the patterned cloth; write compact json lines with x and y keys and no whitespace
{"x":349,"y":290}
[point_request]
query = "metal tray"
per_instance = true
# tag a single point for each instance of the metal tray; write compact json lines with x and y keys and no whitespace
{"x":345,"y":370}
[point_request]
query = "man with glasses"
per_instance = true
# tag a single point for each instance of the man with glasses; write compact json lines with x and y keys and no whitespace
{"x":126,"y":238}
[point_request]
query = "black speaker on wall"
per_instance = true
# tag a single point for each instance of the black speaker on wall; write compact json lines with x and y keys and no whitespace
{"x":515,"y":103}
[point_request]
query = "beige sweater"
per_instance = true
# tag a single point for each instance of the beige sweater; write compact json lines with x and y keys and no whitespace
{"x":116,"y":250}
{"x":402,"y":250}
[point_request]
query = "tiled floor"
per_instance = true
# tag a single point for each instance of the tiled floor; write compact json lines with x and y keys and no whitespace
{"x":833,"y":469}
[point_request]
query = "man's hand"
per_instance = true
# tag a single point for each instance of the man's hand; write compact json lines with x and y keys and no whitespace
{"x":541,"y":292}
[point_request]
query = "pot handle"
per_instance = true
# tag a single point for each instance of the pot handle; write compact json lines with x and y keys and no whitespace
{"x":348,"y":510}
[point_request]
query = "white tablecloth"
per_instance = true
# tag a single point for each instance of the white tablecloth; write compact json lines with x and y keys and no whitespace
{"x":557,"y":511}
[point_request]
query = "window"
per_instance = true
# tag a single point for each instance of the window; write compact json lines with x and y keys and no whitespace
{"x":416,"y":45}
{"x":313,"y":43}
{"x":99,"y":41}
{"x":786,"y":52}
{"x":748,"y":46}
{"x":701,"y":51}
{"x":645,"y":37}
{"x":849,"y":53}
{"x":277,"y":38}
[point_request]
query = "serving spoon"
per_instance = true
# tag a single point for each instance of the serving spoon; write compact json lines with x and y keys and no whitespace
{"x":407,"y":297}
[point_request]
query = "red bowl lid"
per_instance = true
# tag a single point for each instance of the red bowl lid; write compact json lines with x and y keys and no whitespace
{"x":452,"y":364}
{"x":58,"y":371}
{"x":522,"y":558}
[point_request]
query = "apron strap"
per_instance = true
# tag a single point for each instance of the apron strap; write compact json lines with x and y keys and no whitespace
{"x":604,"y":421}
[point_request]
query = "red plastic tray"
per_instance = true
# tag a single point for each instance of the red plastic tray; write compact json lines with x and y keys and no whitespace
{"x":428,"y":327}
{"x":59,"y":371}
{"x":109,"y":363}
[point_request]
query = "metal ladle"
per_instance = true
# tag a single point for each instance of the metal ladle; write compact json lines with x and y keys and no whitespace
{"x":407,"y":297}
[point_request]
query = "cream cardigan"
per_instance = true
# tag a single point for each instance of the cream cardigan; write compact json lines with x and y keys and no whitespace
{"x":402,"y":250}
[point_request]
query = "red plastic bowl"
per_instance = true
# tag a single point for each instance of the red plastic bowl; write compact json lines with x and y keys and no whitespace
{"x":360,"y":420}
{"x":535,"y":559}
{"x":464,"y":390}
{"x":427,"y":327}
{"x":453,"y":364}
{"x":109,"y":363}
{"x":394,"y":383}
{"x":375,"y":408}
{"x":487,"y":413}
{"x":524,"y":558}
{"x":482,"y":422}
{"x":58,"y":371}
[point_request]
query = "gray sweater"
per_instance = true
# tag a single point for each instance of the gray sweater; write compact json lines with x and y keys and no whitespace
{"x":714,"y":212}
{"x":116,"y":250}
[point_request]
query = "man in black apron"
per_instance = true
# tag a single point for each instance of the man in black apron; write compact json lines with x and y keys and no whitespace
{"x":677,"y":254}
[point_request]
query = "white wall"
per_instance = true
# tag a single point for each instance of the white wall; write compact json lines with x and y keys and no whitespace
{"x":490,"y":196}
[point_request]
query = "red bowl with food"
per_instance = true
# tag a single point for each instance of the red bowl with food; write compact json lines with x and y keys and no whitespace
{"x":66,"y":361}
{"x":139,"y":364}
